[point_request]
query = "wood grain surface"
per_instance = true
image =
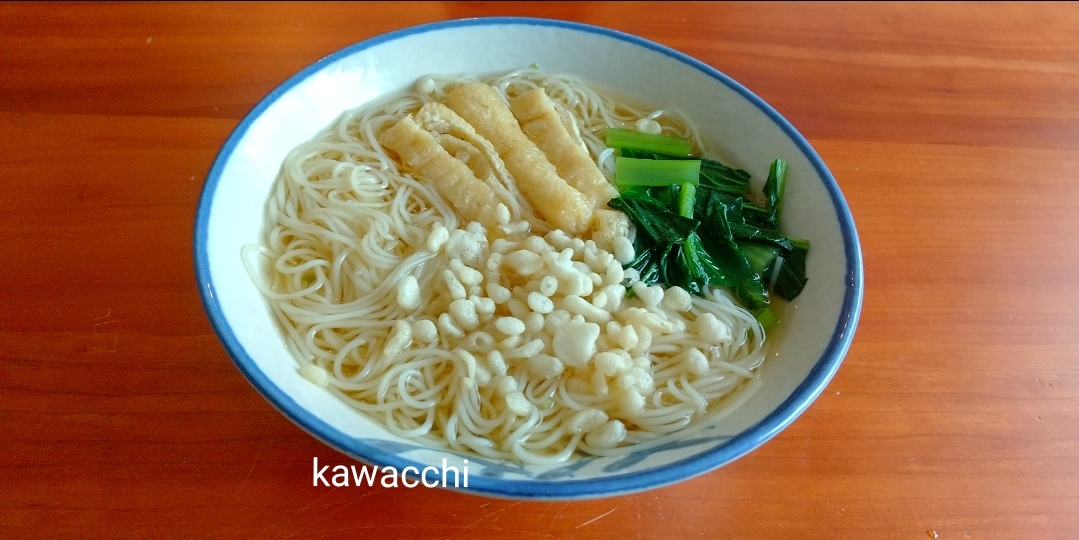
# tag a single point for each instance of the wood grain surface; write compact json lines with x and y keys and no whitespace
{"x":952,"y":129}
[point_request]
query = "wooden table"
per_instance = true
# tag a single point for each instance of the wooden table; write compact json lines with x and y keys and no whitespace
{"x":952,"y":129}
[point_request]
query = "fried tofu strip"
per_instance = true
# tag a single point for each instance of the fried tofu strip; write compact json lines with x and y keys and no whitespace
{"x":536,"y":178}
{"x":540,"y":121}
{"x":452,"y":178}
{"x":482,"y":156}
{"x":438,"y":118}
{"x":609,"y":225}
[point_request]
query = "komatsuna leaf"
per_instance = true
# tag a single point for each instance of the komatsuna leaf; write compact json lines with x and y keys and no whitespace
{"x":774,"y":188}
{"x":718,"y":176}
{"x":654,"y":219}
{"x":792,"y":272}
{"x":751,"y":293}
{"x":761,"y":257}
{"x":730,"y":260}
{"x":645,"y":261}
{"x":758,"y":217}
{"x":702,"y":269}
{"x":742,"y":229}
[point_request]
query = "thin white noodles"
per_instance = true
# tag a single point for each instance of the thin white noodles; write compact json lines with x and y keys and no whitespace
{"x":347,"y":223}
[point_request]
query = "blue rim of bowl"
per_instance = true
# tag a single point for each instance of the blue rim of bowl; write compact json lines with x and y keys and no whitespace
{"x":736,"y":447}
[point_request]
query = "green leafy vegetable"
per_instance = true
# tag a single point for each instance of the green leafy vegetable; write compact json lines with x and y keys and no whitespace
{"x":718,"y":176}
{"x":698,"y":226}
{"x":650,"y":261}
{"x":720,"y":243}
{"x":699,"y":268}
{"x":792,"y":271}
{"x":652,"y":217}
{"x":696,"y":264}
{"x":761,"y":257}
{"x":757,"y":216}
{"x":773,"y":189}
{"x":743,"y":229}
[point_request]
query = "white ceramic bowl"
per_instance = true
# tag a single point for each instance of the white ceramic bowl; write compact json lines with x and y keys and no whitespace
{"x":744,"y":129}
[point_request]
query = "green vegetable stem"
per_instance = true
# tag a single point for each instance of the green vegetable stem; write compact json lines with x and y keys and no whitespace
{"x":660,"y":144}
{"x":631,"y":172}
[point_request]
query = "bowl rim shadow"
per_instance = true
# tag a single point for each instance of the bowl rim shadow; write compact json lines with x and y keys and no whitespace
{"x":737,"y":446}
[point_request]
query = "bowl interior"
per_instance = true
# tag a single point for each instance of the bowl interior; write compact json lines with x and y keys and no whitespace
{"x":740,"y":127}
